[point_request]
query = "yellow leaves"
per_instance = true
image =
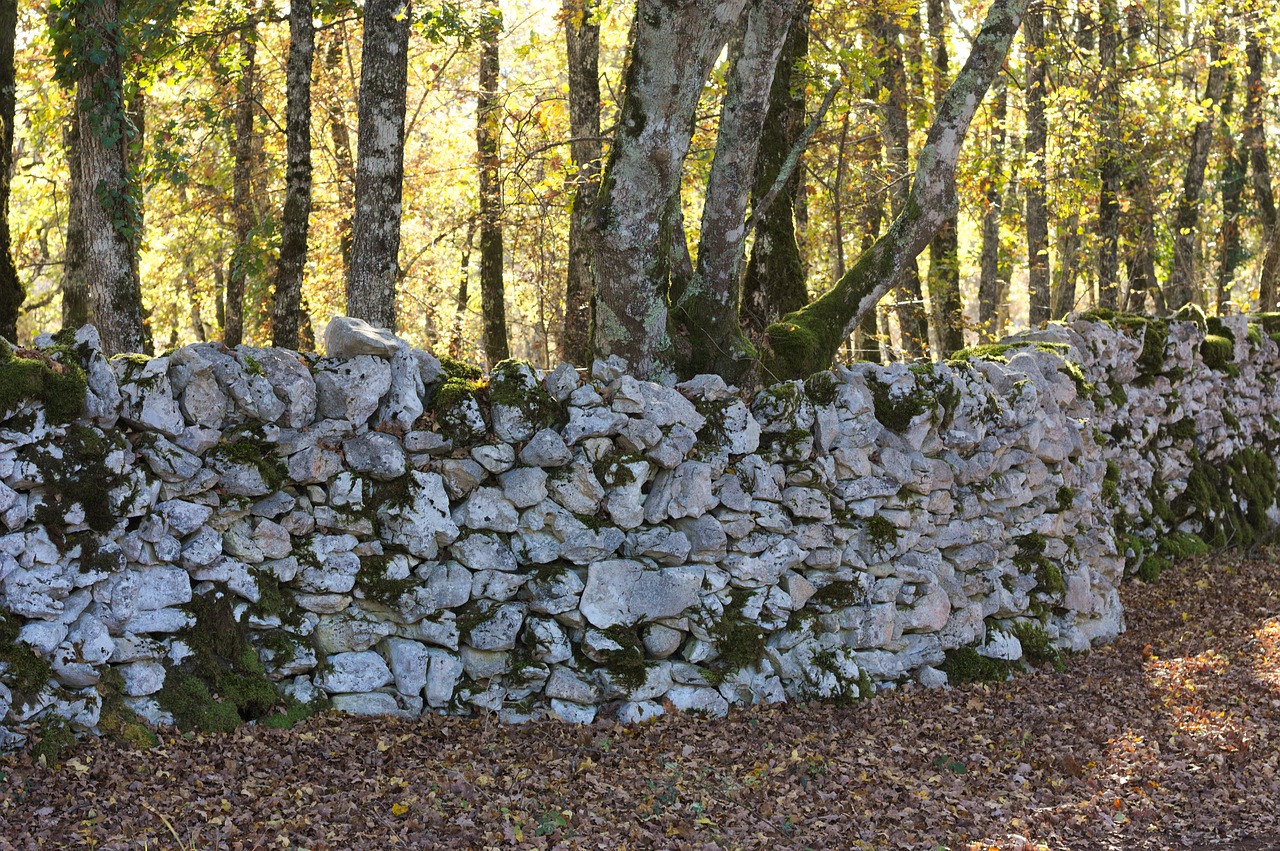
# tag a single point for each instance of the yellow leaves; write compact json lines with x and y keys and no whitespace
{"x":399,"y":808}
{"x":76,"y":765}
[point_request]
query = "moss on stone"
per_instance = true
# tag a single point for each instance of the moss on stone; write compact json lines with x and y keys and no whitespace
{"x":881,"y":534}
{"x":1183,"y":545}
{"x":1037,"y":646}
{"x":1230,"y":498}
{"x":895,"y":412}
{"x":967,"y":665}
{"x":1065,"y":497}
{"x":1218,"y":352}
{"x":77,"y":473}
{"x":626,"y":665}
{"x":252,"y":451}
{"x":452,"y":368}
{"x":274,"y":602}
{"x":34,"y":376}
{"x":1155,"y":335}
{"x":739,"y":640}
{"x":222,"y":682}
{"x":838,"y":595}
{"x":1030,"y":557}
{"x":1111,"y":483}
{"x":507,"y":387}
{"x":1191,"y":313}
{"x":26,"y":673}
{"x":117,"y":721}
{"x":53,"y":739}
{"x":374,"y":584}
{"x":822,"y":388}
{"x":448,"y":406}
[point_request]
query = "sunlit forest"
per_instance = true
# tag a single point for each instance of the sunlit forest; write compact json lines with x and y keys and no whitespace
{"x":1118,"y":128}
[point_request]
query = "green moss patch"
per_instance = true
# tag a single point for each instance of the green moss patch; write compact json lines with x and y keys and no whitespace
{"x":117,"y":721}
{"x":253,"y":452}
{"x":1218,"y":352}
{"x":511,"y":384}
{"x":1230,"y":498}
{"x":53,"y":739}
{"x":26,"y":673}
{"x":967,"y":665}
{"x":626,"y":665}
{"x":34,"y":376}
{"x":222,"y":683}
{"x":896,"y":411}
{"x":739,"y":640}
{"x":1037,"y":646}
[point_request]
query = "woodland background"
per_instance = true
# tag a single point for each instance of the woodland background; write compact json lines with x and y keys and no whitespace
{"x":1165,"y":112}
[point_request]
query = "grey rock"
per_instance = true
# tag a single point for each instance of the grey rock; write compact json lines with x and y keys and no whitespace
{"x":498,"y":628}
{"x":351,"y":631}
{"x":409,"y":662}
{"x":380,"y":455}
{"x":402,"y":405}
{"x":621,"y":591}
{"x":372,"y":703}
{"x":345,"y":337}
{"x":546,"y":449}
{"x":525,"y":486}
{"x":579,"y":491}
{"x":354,"y":672}
{"x":425,"y":523}
{"x":351,"y":390}
{"x":494,"y":457}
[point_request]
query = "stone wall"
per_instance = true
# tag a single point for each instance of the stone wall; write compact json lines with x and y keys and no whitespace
{"x":221,"y":535}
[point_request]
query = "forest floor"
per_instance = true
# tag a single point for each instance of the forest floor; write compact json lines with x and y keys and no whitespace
{"x":1168,"y":738}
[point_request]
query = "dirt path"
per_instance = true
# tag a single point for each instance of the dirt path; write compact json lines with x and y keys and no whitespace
{"x":1169,"y":738}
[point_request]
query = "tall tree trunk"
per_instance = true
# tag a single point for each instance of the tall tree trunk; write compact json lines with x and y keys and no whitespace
{"x":775,"y":278}
{"x":460,"y":303}
{"x":375,"y":237}
{"x":1037,"y":136}
{"x":75,"y":285}
{"x":809,"y":338}
{"x":488,"y":147}
{"x":868,"y":337}
{"x":989,"y":276}
{"x":106,"y":197}
{"x":944,"y":250}
{"x":1182,"y":286}
{"x":897,"y":135}
{"x":582,"y":42}
{"x":1141,"y":238}
{"x":341,"y":138}
{"x":1269,"y":283}
{"x":286,"y":315}
{"x":706,"y":320}
{"x":242,"y":189}
{"x":672,"y":51}
{"x":11,"y":292}
{"x":1109,"y":156}
{"x":1235,"y":171}
{"x":1255,"y":137}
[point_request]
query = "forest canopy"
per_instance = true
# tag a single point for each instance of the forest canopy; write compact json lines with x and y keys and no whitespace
{"x":749,"y":187}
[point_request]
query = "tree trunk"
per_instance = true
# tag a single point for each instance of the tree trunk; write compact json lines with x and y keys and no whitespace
{"x":1270,"y":280}
{"x":808,"y":339}
{"x":672,"y":51}
{"x":1109,"y":156}
{"x":108,"y":205}
{"x":582,"y":42}
{"x":989,"y":276}
{"x":242,"y":190}
{"x":706,"y":320}
{"x":1235,"y":171}
{"x":1255,"y":138}
{"x":1141,"y":239}
{"x":897,"y":135}
{"x":868,"y":337}
{"x":1182,"y":286}
{"x":488,"y":148}
{"x":287,"y":315}
{"x":11,"y":291}
{"x":775,"y":278}
{"x":460,"y":303}
{"x":375,"y":237}
{"x":75,"y":286}
{"x":341,"y":138}
{"x":944,"y":250}
{"x":1037,"y":135}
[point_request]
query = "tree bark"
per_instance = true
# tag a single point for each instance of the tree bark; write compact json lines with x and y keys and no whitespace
{"x":1037,"y":136}
{"x":1255,"y":138}
{"x":809,"y":338}
{"x":944,"y":250}
{"x":775,"y":277}
{"x":672,"y":51}
{"x":1182,"y":278}
{"x":242,"y":190}
{"x":582,"y":42}
{"x":460,"y":303}
{"x":489,"y":154}
{"x":1235,"y":172}
{"x":375,"y":236}
{"x":897,"y":135}
{"x":108,"y":205}
{"x":1109,"y":156}
{"x":75,"y":286}
{"x":1141,"y":238}
{"x":1270,"y":280}
{"x":287,"y":315}
{"x":346,"y":168}
{"x":706,"y":318}
{"x":11,"y":292}
{"x":989,"y":275}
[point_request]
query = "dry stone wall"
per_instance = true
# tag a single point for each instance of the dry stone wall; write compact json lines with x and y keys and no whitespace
{"x":218,"y":535}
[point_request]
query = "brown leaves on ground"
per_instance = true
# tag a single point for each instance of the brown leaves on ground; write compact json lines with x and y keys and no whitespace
{"x":1166,"y":739}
